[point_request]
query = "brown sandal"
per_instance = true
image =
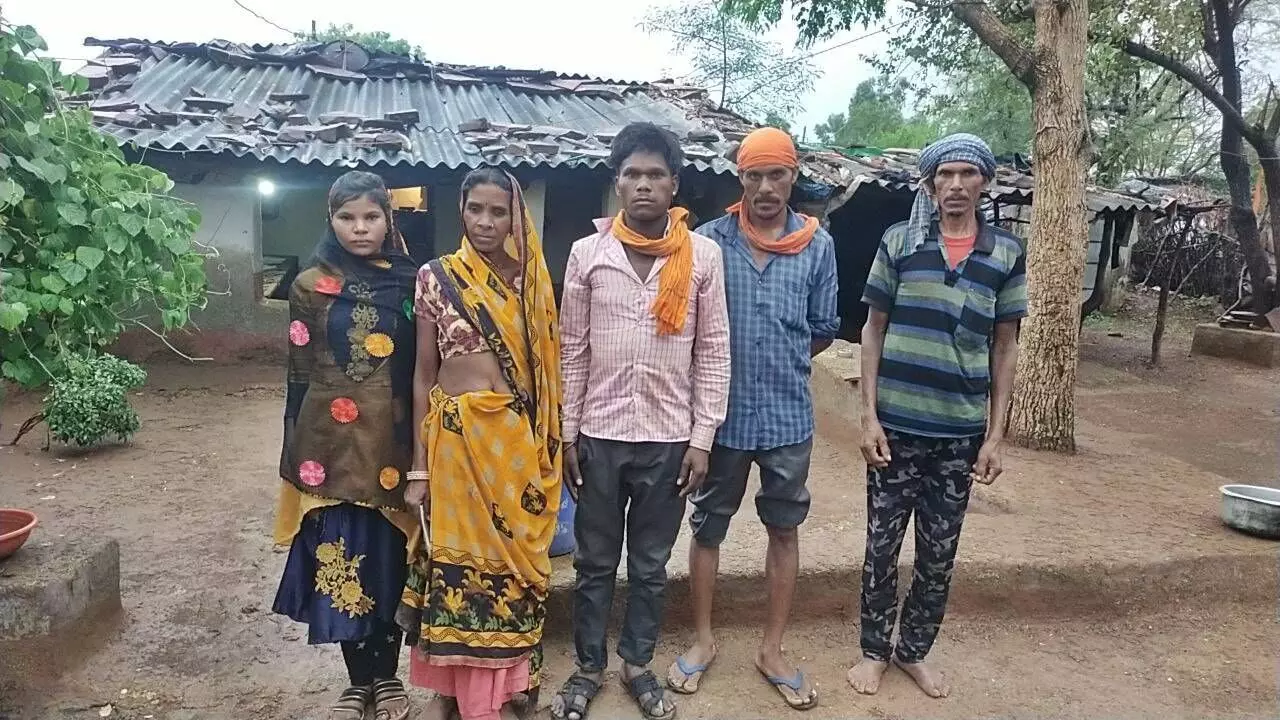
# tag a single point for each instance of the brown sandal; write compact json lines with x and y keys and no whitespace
{"x":391,"y":702}
{"x":351,"y":704}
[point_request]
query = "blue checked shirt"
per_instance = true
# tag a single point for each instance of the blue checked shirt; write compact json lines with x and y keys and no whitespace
{"x":774,"y":316}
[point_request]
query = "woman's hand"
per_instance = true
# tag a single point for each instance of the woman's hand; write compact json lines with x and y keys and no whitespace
{"x":417,"y":494}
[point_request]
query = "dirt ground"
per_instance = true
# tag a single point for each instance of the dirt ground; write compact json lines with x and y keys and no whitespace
{"x":191,"y":500}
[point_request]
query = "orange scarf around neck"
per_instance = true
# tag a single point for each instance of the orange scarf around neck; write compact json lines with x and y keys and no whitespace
{"x":790,"y":244}
{"x":675,"y":279}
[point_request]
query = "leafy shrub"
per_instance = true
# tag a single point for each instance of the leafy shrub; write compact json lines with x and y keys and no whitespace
{"x":91,"y":400}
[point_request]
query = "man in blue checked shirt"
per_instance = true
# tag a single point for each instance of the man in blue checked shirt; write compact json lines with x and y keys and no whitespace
{"x":780,"y":277}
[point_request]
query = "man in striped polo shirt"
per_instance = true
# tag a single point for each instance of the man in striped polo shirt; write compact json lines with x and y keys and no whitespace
{"x":945,"y":293}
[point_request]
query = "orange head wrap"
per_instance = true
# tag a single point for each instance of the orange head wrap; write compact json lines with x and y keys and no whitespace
{"x":765,"y":147}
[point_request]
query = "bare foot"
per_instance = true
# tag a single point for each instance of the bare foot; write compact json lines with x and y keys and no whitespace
{"x":775,"y":667}
{"x":685,"y":674}
{"x":865,"y":676}
{"x":930,"y":679}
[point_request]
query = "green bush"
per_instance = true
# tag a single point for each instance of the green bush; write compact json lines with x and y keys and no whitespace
{"x":91,"y":401}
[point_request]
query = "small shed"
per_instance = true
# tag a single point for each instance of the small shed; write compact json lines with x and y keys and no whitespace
{"x":876,"y":189}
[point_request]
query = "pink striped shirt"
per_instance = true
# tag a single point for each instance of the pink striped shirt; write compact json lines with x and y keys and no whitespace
{"x":622,"y":380}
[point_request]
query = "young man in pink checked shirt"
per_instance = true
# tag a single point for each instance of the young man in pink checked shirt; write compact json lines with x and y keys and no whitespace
{"x":645,"y":346}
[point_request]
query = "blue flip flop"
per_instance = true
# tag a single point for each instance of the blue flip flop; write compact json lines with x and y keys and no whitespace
{"x":688,"y":671}
{"x":796,"y":684}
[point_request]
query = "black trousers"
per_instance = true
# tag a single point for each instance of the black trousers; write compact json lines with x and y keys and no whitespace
{"x":927,"y":478}
{"x":377,"y":657}
{"x":629,"y":493}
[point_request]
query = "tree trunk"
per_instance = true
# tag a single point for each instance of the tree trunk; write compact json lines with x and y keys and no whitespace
{"x":1271,"y":182}
{"x":1235,"y":168}
{"x":1180,"y":235}
{"x":1043,"y":415}
{"x":1157,"y":334}
{"x":1221,"y":21}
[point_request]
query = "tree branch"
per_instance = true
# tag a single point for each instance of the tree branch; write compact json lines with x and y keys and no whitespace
{"x":993,"y":33}
{"x":1230,"y":112}
{"x":1210,"y":32}
{"x":1273,"y":122}
{"x":1237,"y":12}
{"x":168,"y":344}
{"x":724,"y":62}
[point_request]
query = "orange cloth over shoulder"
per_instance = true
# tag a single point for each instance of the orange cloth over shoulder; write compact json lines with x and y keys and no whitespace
{"x":675,"y":279}
{"x":767,"y":147}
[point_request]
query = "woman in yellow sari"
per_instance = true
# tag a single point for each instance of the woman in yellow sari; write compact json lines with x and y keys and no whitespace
{"x":487,"y":462}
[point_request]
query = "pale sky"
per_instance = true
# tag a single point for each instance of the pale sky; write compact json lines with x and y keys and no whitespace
{"x":593,"y":37}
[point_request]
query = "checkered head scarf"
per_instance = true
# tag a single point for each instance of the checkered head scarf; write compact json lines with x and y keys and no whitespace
{"x":961,"y":147}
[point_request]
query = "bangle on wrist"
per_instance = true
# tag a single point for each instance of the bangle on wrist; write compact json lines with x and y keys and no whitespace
{"x":418,"y":475}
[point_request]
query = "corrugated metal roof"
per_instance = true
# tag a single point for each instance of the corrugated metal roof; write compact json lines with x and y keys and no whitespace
{"x":145,"y":102}
{"x":150,"y":94}
{"x":898,"y":170}
{"x":382,"y":64}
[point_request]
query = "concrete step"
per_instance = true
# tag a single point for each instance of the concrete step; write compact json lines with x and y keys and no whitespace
{"x":50,"y":585}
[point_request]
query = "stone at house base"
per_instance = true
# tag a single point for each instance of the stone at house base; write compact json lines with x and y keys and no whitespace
{"x":834,"y":383}
{"x":1254,"y":347}
{"x":49,"y":585}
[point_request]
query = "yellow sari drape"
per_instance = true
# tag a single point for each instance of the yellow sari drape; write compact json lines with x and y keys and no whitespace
{"x":495,"y":465}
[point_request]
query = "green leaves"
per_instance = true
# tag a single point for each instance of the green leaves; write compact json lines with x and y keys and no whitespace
{"x":73,"y":272}
{"x":746,"y":71}
{"x":376,"y":40}
{"x":12,"y":315}
{"x":816,"y":19}
{"x":90,"y":402}
{"x":73,"y":214}
{"x":43,"y":169}
{"x":89,"y":257}
{"x":116,"y":239}
{"x":876,"y":119}
{"x":28,"y":39}
{"x":177,"y":244}
{"x":53,"y":283}
{"x":11,"y":193}
{"x":131,"y":224}
{"x":86,"y":241}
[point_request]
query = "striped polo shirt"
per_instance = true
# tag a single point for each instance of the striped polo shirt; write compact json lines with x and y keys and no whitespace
{"x":935,"y":374}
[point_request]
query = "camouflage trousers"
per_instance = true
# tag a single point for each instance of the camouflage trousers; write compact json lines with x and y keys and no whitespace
{"x":927,"y":477}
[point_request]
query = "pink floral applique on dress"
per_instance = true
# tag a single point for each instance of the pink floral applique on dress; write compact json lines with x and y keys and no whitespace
{"x":311,"y":473}
{"x":298,"y":333}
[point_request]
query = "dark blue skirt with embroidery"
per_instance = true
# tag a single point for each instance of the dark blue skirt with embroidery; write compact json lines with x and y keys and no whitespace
{"x":345,"y":574}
